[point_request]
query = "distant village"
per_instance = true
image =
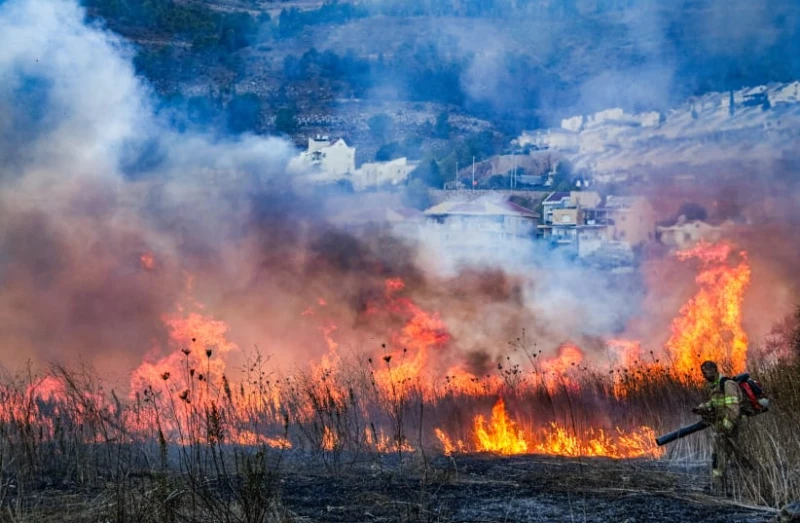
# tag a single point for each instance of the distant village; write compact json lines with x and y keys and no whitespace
{"x":480,"y":225}
{"x":751,"y":123}
{"x":527,"y":211}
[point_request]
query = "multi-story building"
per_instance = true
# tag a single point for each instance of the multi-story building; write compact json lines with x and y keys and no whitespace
{"x":686,"y":233}
{"x":582,"y":222}
{"x":334,"y":160}
{"x":381,"y":174}
{"x":487,"y":228}
{"x":326,"y":162}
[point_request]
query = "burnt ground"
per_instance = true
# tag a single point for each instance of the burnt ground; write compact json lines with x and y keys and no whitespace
{"x":486,"y":489}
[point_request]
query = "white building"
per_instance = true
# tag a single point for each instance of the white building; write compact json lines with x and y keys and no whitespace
{"x":608,"y":115}
{"x":488,"y":213}
{"x":685,"y":233}
{"x":378,"y":174}
{"x":556,"y":139}
{"x":788,"y":93}
{"x":555,"y":200}
{"x":326,"y":162}
{"x":574,"y":124}
{"x":317,"y":143}
{"x":486,"y":229}
{"x":334,"y":160}
{"x":650,"y":119}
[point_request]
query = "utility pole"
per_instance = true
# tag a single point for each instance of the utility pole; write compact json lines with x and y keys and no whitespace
{"x":473,"y":173}
{"x":514,"y":185}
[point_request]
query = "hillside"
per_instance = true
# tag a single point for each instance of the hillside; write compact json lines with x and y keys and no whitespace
{"x":751,"y":125}
{"x":302,"y":67}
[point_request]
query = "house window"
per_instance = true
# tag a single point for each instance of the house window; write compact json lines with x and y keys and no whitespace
{"x":566,"y":218}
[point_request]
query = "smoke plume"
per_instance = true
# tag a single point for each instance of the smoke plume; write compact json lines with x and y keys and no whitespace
{"x":112,"y":221}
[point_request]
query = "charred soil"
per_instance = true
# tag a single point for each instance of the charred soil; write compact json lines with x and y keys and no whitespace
{"x":487,"y":488}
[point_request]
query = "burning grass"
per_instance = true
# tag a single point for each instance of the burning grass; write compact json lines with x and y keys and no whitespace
{"x":193,"y":444}
{"x":163,"y":459}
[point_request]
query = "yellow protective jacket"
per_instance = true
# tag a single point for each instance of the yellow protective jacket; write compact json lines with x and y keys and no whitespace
{"x":723,"y":404}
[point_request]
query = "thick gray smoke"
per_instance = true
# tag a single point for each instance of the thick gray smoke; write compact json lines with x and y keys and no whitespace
{"x":76,"y":125}
{"x":110,"y":221}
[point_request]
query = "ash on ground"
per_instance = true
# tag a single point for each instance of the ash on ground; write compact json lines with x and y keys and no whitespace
{"x":485,"y":488}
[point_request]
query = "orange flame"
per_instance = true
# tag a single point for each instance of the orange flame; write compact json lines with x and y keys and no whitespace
{"x":379,"y":441}
{"x":198,"y":342}
{"x":448,"y":447}
{"x":187,"y":396}
{"x":408,"y":357}
{"x":709,"y":325}
{"x":147,"y":261}
{"x":329,"y":440}
{"x":559,"y":370}
{"x":502,"y":434}
{"x":560,"y":442}
{"x":629,"y":371}
{"x":626,"y":353}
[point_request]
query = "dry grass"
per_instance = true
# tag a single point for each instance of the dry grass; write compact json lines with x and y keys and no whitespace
{"x":82,"y":454}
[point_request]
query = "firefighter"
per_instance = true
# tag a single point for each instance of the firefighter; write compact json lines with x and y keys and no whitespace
{"x":722,"y":412}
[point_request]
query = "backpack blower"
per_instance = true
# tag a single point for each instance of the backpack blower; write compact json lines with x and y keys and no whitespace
{"x":754,"y":402}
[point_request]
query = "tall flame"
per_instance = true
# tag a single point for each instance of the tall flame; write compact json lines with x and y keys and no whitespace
{"x":181,"y":393}
{"x":501,"y":434}
{"x":559,"y":370}
{"x":709,"y":326}
{"x":408,"y":353}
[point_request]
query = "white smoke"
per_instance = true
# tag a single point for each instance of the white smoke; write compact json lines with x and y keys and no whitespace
{"x":75,"y":121}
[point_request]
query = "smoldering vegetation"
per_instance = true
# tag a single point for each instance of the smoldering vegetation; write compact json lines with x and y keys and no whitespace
{"x":342,"y":448}
{"x":112,"y":220}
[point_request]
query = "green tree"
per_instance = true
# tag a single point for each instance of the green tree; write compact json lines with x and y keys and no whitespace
{"x":428,"y":173}
{"x":497,"y":181}
{"x":417,"y":195}
{"x":201,"y":110}
{"x":448,"y":166}
{"x":412,"y":147}
{"x":380,"y":126}
{"x":389,"y":151}
{"x":480,"y":145}
{"x":244,"y":113}
{"x":441,"y":129}
{"x":235,"y":31}
{"x":563,"y":177}
{"x":286,"y":120}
